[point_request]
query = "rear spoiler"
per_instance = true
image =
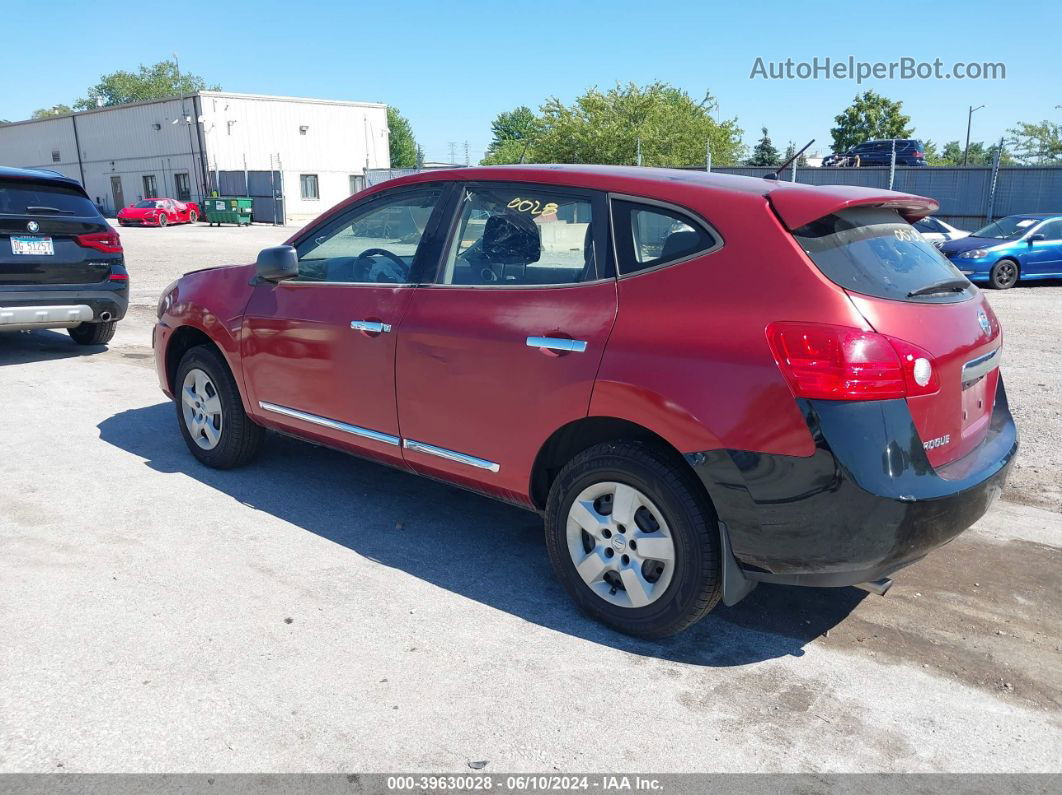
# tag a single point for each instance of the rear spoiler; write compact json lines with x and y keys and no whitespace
{"x":798,"y":206}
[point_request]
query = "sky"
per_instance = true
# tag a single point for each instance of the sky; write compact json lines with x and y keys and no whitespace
{"x":450,"y":68}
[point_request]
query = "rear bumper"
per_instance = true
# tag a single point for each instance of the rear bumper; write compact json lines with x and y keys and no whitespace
{"x":865,"y":504}
{"x":61,"y":306}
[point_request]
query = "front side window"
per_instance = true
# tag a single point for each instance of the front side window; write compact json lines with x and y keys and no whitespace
{"x":876,"y":252}
{"x":149,"y":185}
{"x":308,"y":187}
{"x":518,"y":236}
{"x":1052,"y":231}
{"x":375,"y":243}
{"x":648,"y":236}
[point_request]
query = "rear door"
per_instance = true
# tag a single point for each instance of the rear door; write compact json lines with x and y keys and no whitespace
{"x":40,"y":222}
{"x":503,"y":348}
{"x":907,"y":290}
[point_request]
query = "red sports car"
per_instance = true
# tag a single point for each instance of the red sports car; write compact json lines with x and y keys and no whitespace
{"x":158,"y":212}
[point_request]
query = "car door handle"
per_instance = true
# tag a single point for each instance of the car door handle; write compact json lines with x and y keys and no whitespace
{"x":557,"y":344}
{"x":370,"y":326}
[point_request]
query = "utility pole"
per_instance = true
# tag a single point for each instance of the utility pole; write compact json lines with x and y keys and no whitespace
{"x":707,"y":156}
{"x":995,"y":178}
{"x":466,"y":153}
{"x":453,"y":152}
{"x":969,"y":120}
{"x":638,"y":159}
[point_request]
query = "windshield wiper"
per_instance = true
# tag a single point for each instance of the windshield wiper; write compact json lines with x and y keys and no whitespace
{"x":37,"y":210}
{"x":949,"y":286}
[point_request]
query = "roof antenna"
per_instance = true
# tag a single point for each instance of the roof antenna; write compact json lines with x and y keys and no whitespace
{"x":782,"y":167}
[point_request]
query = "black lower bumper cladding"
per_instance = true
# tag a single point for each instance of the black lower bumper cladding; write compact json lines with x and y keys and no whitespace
{"x":865,"y":504}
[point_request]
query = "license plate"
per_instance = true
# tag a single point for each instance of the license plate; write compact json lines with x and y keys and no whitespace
{"x":35,"y":246}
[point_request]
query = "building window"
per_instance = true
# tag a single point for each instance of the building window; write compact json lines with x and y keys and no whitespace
{"x":149,"y":186}
{"x":55,"y":156}
{"x":357,"y":183}
{"x":308,"y":186}
{"x":184,"y":187}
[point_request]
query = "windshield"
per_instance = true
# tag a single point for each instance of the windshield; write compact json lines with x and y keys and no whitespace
{"x":876,"y":252}
{"x":1009,"y":228}
{"x":147,"y":204}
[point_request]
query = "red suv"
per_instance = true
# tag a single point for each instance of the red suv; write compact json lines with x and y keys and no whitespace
{"x":701,"y":381}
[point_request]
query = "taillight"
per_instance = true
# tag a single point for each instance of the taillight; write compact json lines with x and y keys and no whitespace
{"x":119,"y":277}
{"x":107,"y":242}
{"x":842,"y":363}
{"x":919,"y":155}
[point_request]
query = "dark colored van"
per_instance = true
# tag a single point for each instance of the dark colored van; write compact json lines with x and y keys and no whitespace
{"x":61,"y":263}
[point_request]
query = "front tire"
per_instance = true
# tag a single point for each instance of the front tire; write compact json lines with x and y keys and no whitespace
{"x":634,"y":539}
{"x":93,"y":333}
{"x":163,"y":220}
{"x":210,"y":412}
{"x":1004,"y":274}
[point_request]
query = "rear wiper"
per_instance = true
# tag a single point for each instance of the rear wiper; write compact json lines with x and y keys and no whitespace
{"x":949,"y":286}
{"x":35,"y":210}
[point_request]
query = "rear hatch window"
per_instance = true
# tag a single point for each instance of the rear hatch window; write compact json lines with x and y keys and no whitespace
{"x":875,"y":252}
{"x":35,"y":199}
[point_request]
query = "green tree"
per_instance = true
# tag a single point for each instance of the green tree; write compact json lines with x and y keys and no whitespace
{"x":162,"y":80}
{"x":790,"y":150}
{"x":870,"y":116}
{"x":607,"y":127}
{"x":952,"y":154}
{"x":54,"y":110}
{"x":400,"y":139}
{"x":764,"y":153}
{"x":513,"y":132}
{"x":1037,"y":144}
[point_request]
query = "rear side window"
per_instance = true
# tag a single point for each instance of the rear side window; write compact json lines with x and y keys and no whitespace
{"x":875,"y":252}
{"x":648,"y":236}
{"x":39,"y":198}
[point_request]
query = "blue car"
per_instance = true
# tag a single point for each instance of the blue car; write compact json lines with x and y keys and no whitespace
{"x":1028,"y":247}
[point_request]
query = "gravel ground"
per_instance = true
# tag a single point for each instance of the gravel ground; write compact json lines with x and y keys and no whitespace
{"x":314,"y":612}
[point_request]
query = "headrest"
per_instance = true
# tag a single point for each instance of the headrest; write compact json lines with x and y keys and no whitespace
{"x":511,"y":240}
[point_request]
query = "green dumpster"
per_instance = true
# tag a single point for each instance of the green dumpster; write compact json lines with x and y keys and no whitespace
{"x":229,"y":210}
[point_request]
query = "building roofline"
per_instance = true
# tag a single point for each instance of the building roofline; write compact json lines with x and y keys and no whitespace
{"x":177,"y":97}
{"x":280,"y":98}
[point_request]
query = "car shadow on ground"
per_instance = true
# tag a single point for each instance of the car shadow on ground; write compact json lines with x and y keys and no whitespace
{"x":23,"y":347}
{"x":479,"y":548}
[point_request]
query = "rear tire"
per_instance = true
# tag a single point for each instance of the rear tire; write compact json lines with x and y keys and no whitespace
{"x":1004,"y":274}
{"x":93,"y":333}
{"x":654,"y":590}
{"x":232,"y":438}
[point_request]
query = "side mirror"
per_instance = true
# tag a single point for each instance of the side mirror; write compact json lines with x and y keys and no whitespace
{"x":1034,"y":238}
{"x":277,"y":263}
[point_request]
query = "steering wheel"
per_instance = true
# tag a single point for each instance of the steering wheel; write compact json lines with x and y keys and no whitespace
{"x":377,"y":272}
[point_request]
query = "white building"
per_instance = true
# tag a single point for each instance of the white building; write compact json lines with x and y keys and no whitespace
{"x":302,"y":155}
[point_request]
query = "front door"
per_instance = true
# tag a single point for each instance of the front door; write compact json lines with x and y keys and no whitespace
{"x":1044,"y":256}
{"x":319,"y":350}
{"x":503,"y":348}
{"x":116,"y":193}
